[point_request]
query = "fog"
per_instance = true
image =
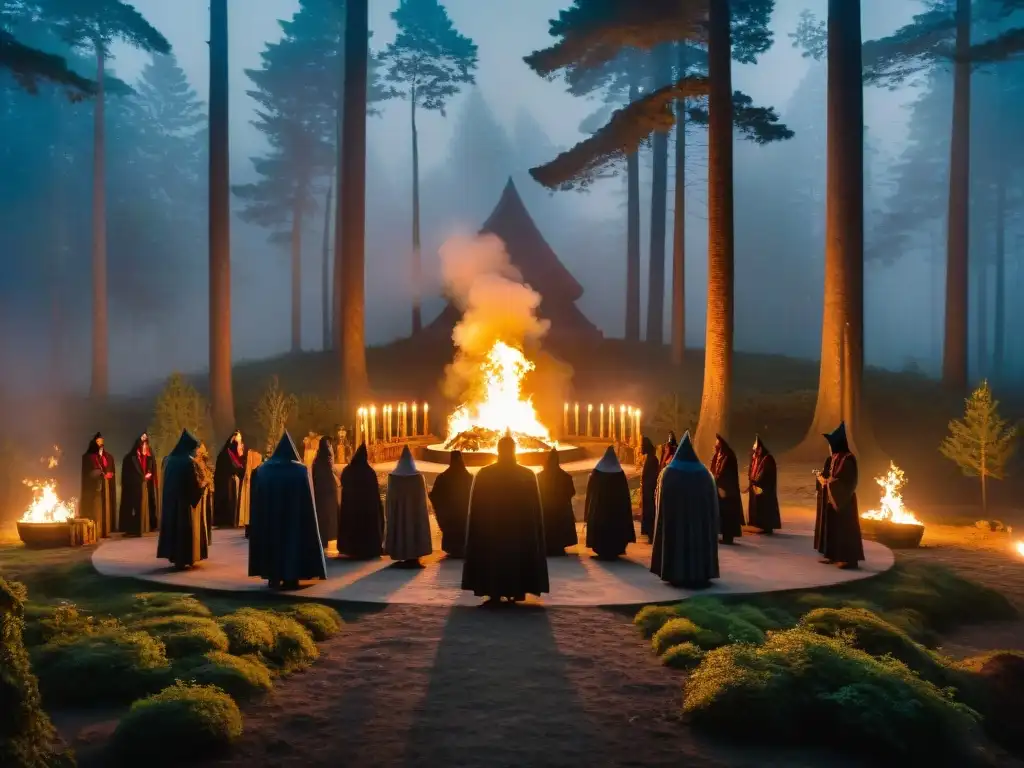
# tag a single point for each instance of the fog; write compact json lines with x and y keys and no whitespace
{"x":509,"y":121}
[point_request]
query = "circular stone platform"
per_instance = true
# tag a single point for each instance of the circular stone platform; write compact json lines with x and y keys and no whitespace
{"x":438,"y":454}
{"x":757,"y":564}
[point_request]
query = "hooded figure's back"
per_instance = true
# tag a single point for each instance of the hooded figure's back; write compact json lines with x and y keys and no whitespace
{"x":326,"y":491}
{"x":556,"y":493}
{"x":685,"y":550}
{"x":183,"y":534}
{"x":361,"y":517}
{"x":284,"y":540}
{"x":408,"y":519}
{"x":725,"y":468}
{"x":450,"y":499}
{"x":609,"y":509}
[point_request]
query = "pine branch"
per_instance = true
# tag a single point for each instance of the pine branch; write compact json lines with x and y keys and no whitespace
{"x":29,"y":65}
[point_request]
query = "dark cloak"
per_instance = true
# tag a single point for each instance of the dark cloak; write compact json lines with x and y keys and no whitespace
{"x":139,"y":496}
{"x":361,"y":516}
{"x":407,"y":529}
{"x":505,"y":533}
{"x":326,"y":491}
{"x":609,"y":509}
{"x":450,"y":499}
{"x":668,"y":450}
{"x":183,"y":538}
{"x":228,"y":475}
{"x":648,"y":487}
{"x":284,"y":540}
{"x":98,"y":497}
{"x":556,"y":493}
{"x":685,"y":551}
{"x":725,"y":468}
{"x":763,"y":508}
{"x":837,"y":522}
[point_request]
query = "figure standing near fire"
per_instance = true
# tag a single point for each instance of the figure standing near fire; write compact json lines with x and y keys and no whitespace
{"x":138,"y":514}
{"x":725,"y":468}
{"x":98,"y":498}
{"x":450,"y":498}
{"x":556,"y":493}
{"x":609,"y":509}
{"x":361,"y":517}
{"x":408,"y":518}
{"x":837,"y":523}
{"x":648,"y":487}
{"x":227,"y":484}
{"x":763,"y":490}
{"x":326,"y":491}
{"x":183,"y":535}
{"x":505,"y":534}
{"x":668,"y":450}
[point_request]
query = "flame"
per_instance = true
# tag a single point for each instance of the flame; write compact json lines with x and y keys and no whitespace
{"x":502,"y":407}
{"x":892,"y":509}
{"x":47,"y":506}
{"x":1020,"y":548}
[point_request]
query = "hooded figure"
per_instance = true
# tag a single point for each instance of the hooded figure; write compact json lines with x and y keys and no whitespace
{"x":450,"y":499}
{"x":361,"y":516}
{"x":505,"y":532}
{"x":227,"y":484}
{"x":284,"y":541}
{"x":725,"y":468}
{"x":326,"y":491}
{"x":183,"y":538}
{"x":98,"y":498}
{"x":408,"y":519}
{"x":139,"y":496}
{"x":668,"y":450}
{"x":648,"y":487}
{"x":609,"y":509}
{"x":556,"y":493}
{"x":685,"y":552}
{"x":205,"y":465}
{"x":763,"y":493}
{"x":837,"y":523}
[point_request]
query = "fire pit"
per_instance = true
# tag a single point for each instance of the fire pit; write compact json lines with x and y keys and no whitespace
{"x":892,"y":524}
{"x":48,"y":522}
{"x":441,"y":454}
{"x":45,"y":535}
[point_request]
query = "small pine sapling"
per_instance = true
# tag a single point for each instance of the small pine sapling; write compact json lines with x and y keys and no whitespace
{"x":982,"y":443}
{"x":179,"y":406}
{"x":273,"y":412}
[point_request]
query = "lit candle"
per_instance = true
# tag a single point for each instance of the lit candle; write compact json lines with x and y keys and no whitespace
{"x":388,"y":422}
{"x":636,"y":430}
{"x":373,"y":424}
{"x":426,"y":411}
{"x":565,"y":419}
{"x":415,"y":423}
{"x":359,"y":426}
{"x":405,"y":420}
{"x":601,"y":430}
{"x":590,"y":413}
{"x":622,"y":423}
{"x":576,"y":411}
{"x":611,"y":422}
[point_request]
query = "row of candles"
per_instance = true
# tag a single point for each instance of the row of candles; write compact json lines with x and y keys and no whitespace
{"x":624,"y":429}
{"x":391,"y":422}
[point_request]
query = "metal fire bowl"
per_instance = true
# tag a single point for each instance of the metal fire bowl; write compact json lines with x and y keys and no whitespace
{"x":45,"y":535}
{"x":892,"y":535}
{"x":438,"y":454}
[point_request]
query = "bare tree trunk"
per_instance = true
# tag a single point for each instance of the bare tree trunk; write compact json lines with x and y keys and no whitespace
{"x":659,"y":205}
{"x":350,"y":237}
{"x":60,"y":237}
{"x":297,"y":275}
{"x":717,"y":392}
{"x":100,"y":386}
{"x":954,"y":351}
{"x":417,"y":264}
{"x":633,"y":237}
{"x":325,"y":272}
{"x":222,"y":405}
{"x":999,"y":333}
{"x":679,"y":225}
{"x":981,"y":316}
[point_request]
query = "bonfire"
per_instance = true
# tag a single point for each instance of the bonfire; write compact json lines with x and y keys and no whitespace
{"x":501,"y":408}
{"x":47,"y":506}
{"x":892,"y":509}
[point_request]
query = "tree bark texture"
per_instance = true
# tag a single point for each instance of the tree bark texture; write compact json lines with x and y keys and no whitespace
{"x":100,"y":385}
{"x":659,"y":208}
{"x":325,"y":272}
{"x":679,"y":227}
{"x":633,"y":237}
{"x":417,"y":264}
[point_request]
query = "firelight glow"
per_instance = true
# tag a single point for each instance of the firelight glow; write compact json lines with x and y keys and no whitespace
{"x":47,"y":506}
{"x":892,"y":509}
{"x":1020,"y":548}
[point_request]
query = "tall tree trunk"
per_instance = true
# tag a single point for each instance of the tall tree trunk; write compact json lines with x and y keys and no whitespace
{"x":99,"y":388}
{"x":954,"y":351}
{"x":981,"y":316}
{"x":297,"y":275}
{"x":222,"y":404}
{"x":633,"y":237}
{"x":350,"y":231}
{"x":325,"y":272}
{"x":842,"y":332}
{"x":679,"y":225}
{"x":417,"y":264}
{"x":999,"y":333}
{"x":717,"y":392}
{"x":659,"y":206}
{"x":60,"y":242}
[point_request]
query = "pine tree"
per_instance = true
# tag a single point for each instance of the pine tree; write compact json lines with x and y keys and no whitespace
{"x":982,"y":443}
{"x":29,"y":64}
{"x":428,"y":62}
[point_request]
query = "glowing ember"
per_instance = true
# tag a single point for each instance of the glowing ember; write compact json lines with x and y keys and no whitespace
{"x":892,"y":508}
{"x":502,"y":407}
{"x":46,"y":506}
{"x":1020,"y":548}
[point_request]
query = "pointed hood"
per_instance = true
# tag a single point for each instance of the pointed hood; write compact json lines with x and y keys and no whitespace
{"x":405,"y":467}
{"x":759,"y":445}
{"x":552,"y":464}
{"x":456,"y":462}
{"x":723,"y":446}
{"x":360,"y":456}
{"x":187,"y":444}
{"x":94,"y":444}
{"x":684,"y":453}
{"x":609,"y":463}
{"x":837,"y":440}
{"x":285,"y":450}
{"x":325,"y":451}
{"x":647,"y":447}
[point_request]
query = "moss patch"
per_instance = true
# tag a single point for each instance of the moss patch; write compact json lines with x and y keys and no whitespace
{"x":651,"y":618}
{"x":683,"y":656}
{"x":186,"y":635}
{"x":242,"y":677}
{"x":275,"y":638}
{"x":679,"y":630}
{"x":321,"y":621}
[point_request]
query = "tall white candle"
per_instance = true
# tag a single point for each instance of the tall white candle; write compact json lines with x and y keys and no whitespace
{"x":415,"y":422}
{"x":576,"y":411}
{"x":373,"y":424}
{"x":636,"y":430}
{"x":590,"y":415}
{"x":611,"y":422}
{"x":622,"y":423}
{"x":426,"y":412}
{"x":601,"y":430}
{"x":565,"y":419}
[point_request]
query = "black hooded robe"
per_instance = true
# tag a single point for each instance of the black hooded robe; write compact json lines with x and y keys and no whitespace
{"x":837,"y":533}
{"x":139,"y":496}
{"x":284,"y":535}
{"x":326,"y":491}
{"x":361,"y":515}
{"x":450,"y":498}
{"x":183,"y":538}
{"x":556,"y":493}
{"x":609,"y":513}
{"x":763,"y":508}
{"x":648,"y":487}
{"x":725,"y":468}
{"x":505,"y":534}
{"x":228,"y":475}
{"x":98,"y":497}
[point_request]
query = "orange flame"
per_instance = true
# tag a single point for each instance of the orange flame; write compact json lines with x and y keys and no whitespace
{"x":892,"y":508}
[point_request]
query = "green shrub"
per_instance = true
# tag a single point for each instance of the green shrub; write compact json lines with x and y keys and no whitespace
{"x":683,"y":656}
{"x":186,"y":635}
{"x":153,"y":604}
{"x":997,"y":690}
{"x":651,"y":618}
{"x":110,"y":666}
{"x":178,"y":406}
{"x":807,"y":686}
{"x":181,"y":724}
{"x":243,"y":677}
{"x":277,"y":639}
{"x":680,"y":630}
{"x":321,"y":621}
{"x":723,"y":620}
{"x":64,"y":620}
